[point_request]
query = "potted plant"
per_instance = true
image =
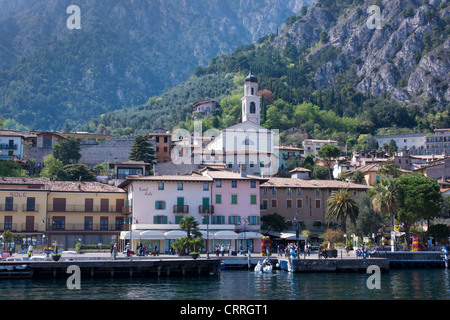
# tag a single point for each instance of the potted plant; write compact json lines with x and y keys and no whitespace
{"x":195,"y":254}
{"x":56,"y":256}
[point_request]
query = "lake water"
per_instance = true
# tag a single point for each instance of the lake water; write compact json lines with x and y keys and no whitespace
{"x":410,"y":284}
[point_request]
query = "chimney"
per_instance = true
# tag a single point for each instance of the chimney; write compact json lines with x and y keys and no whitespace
{"x":243,"y":170}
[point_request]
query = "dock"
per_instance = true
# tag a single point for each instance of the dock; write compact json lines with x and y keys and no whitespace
{"x":110,"y":268}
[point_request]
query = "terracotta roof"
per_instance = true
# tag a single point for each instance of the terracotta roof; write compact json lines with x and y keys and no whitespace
{"x":313,"y":184}
{"x":11,"y":133}
{"x":230,"y":175}
{"x":23,"y":180}
{"x":299,"y":169}
{"x":82,"y":186}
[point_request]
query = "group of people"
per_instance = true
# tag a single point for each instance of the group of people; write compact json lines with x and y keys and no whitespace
{"x":292,"y":248}
{"x":220,"y":249}
{"x":141,"y":250}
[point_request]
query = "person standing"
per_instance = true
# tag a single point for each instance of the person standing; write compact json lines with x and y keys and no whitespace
{"x":30,"y":250}
{"x":114,"y":251}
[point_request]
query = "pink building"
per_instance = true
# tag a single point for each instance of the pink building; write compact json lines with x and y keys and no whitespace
{"x":236,"y":201}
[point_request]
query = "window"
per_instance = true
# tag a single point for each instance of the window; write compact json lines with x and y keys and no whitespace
{"x":234,"y":184}
{"x":180,"y":186}
{"x":218,"y":199}
{"x":253,"y":184}
{"x":230,"y":165}
{"x":160,"y":219}
{"x":318,"y":203}
{"x":253,"y":199}
{"x":288,"y":203}
{"x":317,"y":192}
{"x":274,"y":203}
{"x":88,"y":221}
{"x":59,"y":223}
{"x":288,"y":191}
{"x":299,"y":203}
{"x":264,"y":190}
{"x":218,"y":220}
{"x":103,"y":223}
{"x":160,"y":185}
{"x":236,"y":220}
{"x":273,"y":191}
{"x":252,"y":106}
{"x":31,"y":204}
{"x":219,"y":184}
{"x":252,"y":164}
{"x":178,"y":219}
{"x":205,"y":186}
{"x":299,"y":191}
{"x":253,"y":220}
{"x":264,"y":204}
{"x":261,"y":164}
{"x":8,"y":222}
{"x":234,"y":199}
{"x":160,"y":205}
{"x":9,"y":203}
{"x":119,"y":223}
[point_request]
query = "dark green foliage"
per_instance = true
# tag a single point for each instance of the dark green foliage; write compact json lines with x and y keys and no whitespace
{"x":75,"y":172}
{"x":142,"y":150}
{"x":67,"y":151}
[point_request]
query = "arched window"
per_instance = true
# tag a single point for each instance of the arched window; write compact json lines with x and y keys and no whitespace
{"x":252,"y":107}
{"x":253,"y":92}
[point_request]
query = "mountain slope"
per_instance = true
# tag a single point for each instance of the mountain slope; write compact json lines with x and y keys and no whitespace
{"x":360,"y":79}
{"x":125,"y":52}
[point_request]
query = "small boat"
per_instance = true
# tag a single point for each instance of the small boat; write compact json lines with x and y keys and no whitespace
{"x":266,"y":266}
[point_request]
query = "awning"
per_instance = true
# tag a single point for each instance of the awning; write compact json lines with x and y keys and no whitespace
{"x":175,"y":234}
{"x":226,"y":235}
{"x":152,"y":235}
{"x":126,"y":235}
{"x":250,"y":235}
{"x":206,"y":234}
{"x":291,"y":236}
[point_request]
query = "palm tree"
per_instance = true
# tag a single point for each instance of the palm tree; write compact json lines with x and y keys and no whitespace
{"x":341,"y":206}
{"x":190,"y":225}
{"x":384,"y":196}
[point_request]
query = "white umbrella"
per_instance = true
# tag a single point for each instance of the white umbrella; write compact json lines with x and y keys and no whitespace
{"x":175,"y":234}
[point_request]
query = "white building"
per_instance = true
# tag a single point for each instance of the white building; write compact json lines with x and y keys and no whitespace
{"x":11,"y":145}
{"x":312,"y":146}
{"x":414,"y":142}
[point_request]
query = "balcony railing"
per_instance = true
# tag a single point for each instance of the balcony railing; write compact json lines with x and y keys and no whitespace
{"x":85,"y":227}
{"x":180,"y":208}
{"x":206,"y":209}
{"x":8,"y":207}
{"x":83,"y":208}
{"x":21,"y":227}
{"x":30,"y":208}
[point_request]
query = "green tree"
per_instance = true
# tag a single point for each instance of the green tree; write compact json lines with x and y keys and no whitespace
{"x":368,"y":221}
{"x":441,"y":232}
{"x":142,"y":150}
{"x":75,"y":172}
{"x":329,"y":153}
{"x":385,"y":194}
{"x":358,"y":176}
{"x":11,"y":169}
{"x":274,"y":221}
{"x":51,"y":167}
{"x":67,"y":151}
{"x":340,"y":207}
{"x":420,"y":198}
{"x":320,"y":172}
{"x":392,"y":148}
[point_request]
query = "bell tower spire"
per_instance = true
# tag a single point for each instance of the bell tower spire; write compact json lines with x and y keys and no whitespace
{"x":251,"y":101}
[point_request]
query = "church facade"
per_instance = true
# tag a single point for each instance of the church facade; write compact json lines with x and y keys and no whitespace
{"x":247,"y":147}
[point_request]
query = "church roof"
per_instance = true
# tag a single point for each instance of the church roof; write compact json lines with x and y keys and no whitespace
{"x":251,"y":78}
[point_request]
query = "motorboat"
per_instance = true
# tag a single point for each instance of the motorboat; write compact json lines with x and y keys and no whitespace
{"x":266,"y":266}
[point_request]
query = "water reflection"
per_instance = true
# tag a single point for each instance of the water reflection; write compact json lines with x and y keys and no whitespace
{"x":428,"y":284}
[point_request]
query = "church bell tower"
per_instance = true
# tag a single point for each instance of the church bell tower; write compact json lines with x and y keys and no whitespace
{"x":251,"y":101}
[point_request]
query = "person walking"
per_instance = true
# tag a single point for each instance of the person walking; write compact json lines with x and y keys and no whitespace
{"x":30,"y":250}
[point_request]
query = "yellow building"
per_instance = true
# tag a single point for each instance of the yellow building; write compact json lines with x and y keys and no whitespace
{"x":45,"y":213}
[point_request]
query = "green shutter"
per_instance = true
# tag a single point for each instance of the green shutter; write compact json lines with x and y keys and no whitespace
{"x":218,"y":199}
{"x":165,"y":219}
{"x":155,"y":219}
{"x":253,"y":199}
{"x":258,"y":221}
{"x":238,"y":220}
{"x":234,"y":199}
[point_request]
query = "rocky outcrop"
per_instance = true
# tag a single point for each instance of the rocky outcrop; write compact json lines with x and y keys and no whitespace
{"x":407,"y":57}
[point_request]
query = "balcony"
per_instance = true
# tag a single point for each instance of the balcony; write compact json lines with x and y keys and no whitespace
{"x":8,"y":207}
{"x":21,"y":227}
{"x":30,"y":208}
{"x":85,"y":227}
{"x":83,"y":208}
{"x":206,"y":209}
{"x":180,"y":209}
